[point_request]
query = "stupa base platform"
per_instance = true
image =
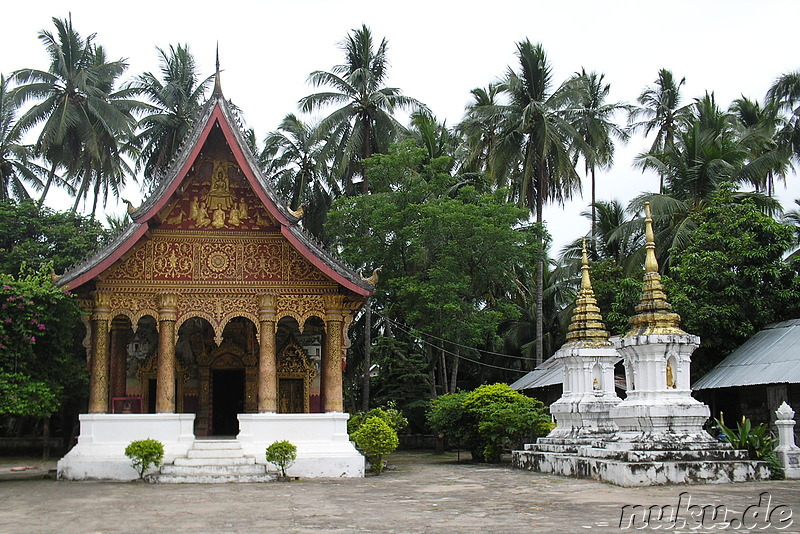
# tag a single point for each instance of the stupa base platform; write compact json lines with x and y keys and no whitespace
{"x":646,"y":463}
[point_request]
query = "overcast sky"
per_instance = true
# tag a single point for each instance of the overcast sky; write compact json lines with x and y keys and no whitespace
{"x":438,"y":51}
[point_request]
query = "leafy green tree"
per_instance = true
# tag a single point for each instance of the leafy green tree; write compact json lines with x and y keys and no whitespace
{"x":363,"y":122}
{"x":84,"y":119}
{"x":175,"y":97}
{"x":446,"y":259}
{"x":731,"y":279}
{"x":17,"y":168}
{"x":41,"y":236}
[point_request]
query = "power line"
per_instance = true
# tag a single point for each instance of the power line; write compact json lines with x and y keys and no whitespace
{"x":460,"y":357}
{"x":410,"y":329}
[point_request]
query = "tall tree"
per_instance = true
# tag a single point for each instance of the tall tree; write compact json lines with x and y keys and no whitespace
{"x":363,"y":121}
{"x":17,"y":167}
{"x":660,"y":111}
{"x":535,"y":124}
{"x":593,"y":119}
{"x":83,"y":119}
{"x":293,"y":158}
{"x":176,"y":98}
{"x":784,"y":94}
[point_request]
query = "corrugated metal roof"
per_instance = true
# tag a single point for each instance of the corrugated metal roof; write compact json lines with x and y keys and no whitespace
{"x":771,"y":356}
{"x":548,"y":373}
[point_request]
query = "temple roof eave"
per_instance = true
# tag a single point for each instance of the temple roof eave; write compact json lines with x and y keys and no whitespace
{"x":216,"y":108}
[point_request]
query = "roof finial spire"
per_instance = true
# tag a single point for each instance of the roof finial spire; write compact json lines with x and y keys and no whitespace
{"x":654,"y":313}
{"x":217,"y":83}
{"x":587,"y":328}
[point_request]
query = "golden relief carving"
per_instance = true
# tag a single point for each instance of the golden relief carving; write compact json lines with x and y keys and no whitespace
{"x":172,"y":260}
{"x":216,"y":195}
{"x":179,"y":257}
{"x":293,"y":364}
{"x":301,"y":307}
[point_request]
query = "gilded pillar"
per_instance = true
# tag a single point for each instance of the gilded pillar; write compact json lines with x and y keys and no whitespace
{"x":119,"y":356}
{"x":165,"y":377}
{"x":267,"y":360}
{"x":98,"y":387}
{"x":332,"y":362}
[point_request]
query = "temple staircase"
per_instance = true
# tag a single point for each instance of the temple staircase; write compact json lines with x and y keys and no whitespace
{"x":212,"y":461}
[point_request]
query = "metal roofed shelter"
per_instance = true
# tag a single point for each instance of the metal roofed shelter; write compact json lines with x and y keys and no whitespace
{"x":758,"y":376}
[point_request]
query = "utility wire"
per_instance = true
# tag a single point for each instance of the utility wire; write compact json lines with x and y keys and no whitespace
{"x":460,"y":357}
{"x":411,"y":330}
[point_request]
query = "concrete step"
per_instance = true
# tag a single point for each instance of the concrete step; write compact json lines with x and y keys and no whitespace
{"x":215,"y":453}
{"x":241,"y":469}
{"x":216,"y":444}
{"x":193,"y":462}
{"x":210,"y":479}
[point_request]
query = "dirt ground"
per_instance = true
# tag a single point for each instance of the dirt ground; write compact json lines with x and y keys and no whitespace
{"x":420,"y":493}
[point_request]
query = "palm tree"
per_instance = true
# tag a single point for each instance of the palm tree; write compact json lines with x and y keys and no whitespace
{"x":363,"y":122}
{"x":480,"y":129}
{"x":82,"y":119}
{"x":176,"y":97}
{"x":534,"y":123}
{"x":784,"y":94}
{"x":660,"y":111}
{"x":593,"y":120}
{"x":293,"y":158}
{"x":16,"y":165}
{"x":758,"y":130}
{"x":432,"y":135}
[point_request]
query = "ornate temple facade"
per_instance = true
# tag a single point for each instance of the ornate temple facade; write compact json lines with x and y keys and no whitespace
{"x":213,"y":303}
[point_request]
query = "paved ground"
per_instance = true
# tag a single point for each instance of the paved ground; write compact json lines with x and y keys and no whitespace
{"x":423,"y":493}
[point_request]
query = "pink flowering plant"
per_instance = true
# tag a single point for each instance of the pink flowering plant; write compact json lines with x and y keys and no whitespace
{"x":40,"y":330}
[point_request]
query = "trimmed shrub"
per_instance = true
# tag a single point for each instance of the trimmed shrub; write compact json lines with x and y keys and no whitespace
{"x":389,"y":413}
{"x":376,"y":438}
{"x":489,"y":420}
{"x":144,"y":454}
{"x":282,"y":454}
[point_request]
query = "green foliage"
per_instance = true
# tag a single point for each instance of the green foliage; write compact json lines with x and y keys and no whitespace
{"x":40,"y":335}
{"x":731,"y":279}
{"x":450,"y":254}
{"x":376,"y":438}
{"x":390,"y":414}
{"x":145,"y":453}
{"x":757,"y":441}
{"x":489,"y":420}
{"x":283,"y":454}
{"x":19,"y":395}
{"x":38,"y":236}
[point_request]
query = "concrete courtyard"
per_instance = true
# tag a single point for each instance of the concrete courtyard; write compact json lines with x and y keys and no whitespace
{"x":420,"y":493}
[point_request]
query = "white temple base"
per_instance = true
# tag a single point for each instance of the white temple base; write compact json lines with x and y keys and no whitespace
{"x":323,"y":446}
{"x":100,"y":452}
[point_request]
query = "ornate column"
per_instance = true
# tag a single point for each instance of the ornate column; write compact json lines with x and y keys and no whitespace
{"x":267,"y":360}
{"x":165,"y":377}
{"x":119,"y":356}
{"x":332,"y":361}
{"x":98,"y":382}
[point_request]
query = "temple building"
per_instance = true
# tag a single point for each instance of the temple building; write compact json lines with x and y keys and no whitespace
{"x":214,"y":315}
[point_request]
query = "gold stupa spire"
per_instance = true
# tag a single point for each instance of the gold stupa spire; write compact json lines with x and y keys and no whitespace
{"x":587,"y":328}
{"x":654,"y":314}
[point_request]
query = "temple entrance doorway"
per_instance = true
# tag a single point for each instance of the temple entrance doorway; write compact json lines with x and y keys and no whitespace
{"x":227,"y":390}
